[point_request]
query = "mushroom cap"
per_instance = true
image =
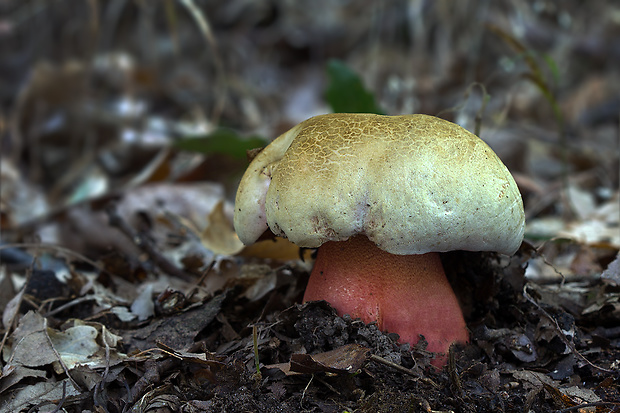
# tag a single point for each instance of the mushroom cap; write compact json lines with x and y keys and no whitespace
{"x":412,"y":184}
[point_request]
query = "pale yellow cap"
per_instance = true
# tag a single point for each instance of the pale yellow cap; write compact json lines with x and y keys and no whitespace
{"x":412,"y":184}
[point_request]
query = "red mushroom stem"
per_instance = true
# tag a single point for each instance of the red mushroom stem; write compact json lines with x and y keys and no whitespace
{"x":405,"y":294}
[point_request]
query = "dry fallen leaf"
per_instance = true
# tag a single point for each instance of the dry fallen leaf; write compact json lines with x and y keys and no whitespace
{"x":45,"y":393}
{"x":346,"y":359}
{"x":598,"y":225}
{"x":218,"y":235}
{"x":30,"y":344}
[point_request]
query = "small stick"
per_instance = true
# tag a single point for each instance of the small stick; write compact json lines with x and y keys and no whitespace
{"x":393,"y":365}
{"x":255,"y":339}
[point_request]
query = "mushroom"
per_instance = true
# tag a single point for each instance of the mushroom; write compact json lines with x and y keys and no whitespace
{"x":380,"y":197}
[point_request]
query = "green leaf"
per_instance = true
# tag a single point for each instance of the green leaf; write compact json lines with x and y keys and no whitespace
{"x":346,"y":92}
{"x":222,"y":141}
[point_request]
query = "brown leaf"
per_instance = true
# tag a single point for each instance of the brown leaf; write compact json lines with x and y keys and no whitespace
{"x":219,"y":235}
{"x":176,"y":331}
{"x":345,"y":359}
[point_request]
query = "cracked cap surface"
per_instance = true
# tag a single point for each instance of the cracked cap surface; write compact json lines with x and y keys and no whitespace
{"x":412,"y":184}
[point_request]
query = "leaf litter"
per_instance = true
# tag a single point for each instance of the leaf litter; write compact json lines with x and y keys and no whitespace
{"x":162,"y":309}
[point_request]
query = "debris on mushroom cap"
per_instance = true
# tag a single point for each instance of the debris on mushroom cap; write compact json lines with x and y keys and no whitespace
{"x":412,"y":184}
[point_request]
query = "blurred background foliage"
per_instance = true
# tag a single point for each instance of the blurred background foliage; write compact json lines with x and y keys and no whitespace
{"x":99,"y":97}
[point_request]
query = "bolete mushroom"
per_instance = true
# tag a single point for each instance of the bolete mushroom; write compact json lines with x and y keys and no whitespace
{"x":381,"y":196}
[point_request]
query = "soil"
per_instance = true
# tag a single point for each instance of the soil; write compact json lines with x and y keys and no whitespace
{"x":525,"y":355}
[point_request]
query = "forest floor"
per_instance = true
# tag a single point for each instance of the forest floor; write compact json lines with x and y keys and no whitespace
{"x":126,"y":125}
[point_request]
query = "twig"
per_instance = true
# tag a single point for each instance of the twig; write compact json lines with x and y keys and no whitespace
{"x":455,"y":379}
{"x":393,"y":365}
{"x":303,"y":394}
{"x":62,"y":363}
{"x":570,"y":345}
{"x":593,"y":404}
{"x":70,"y":304}
{"x":62,"y":399}
{"x":200,"y":280}
{"x":541,"y":255}
{"x":255,"y":342}
{"x":107,"y":355}
{"x":57,"y":248}
{"x":205,"y":29}
{"x":151,"y":377}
